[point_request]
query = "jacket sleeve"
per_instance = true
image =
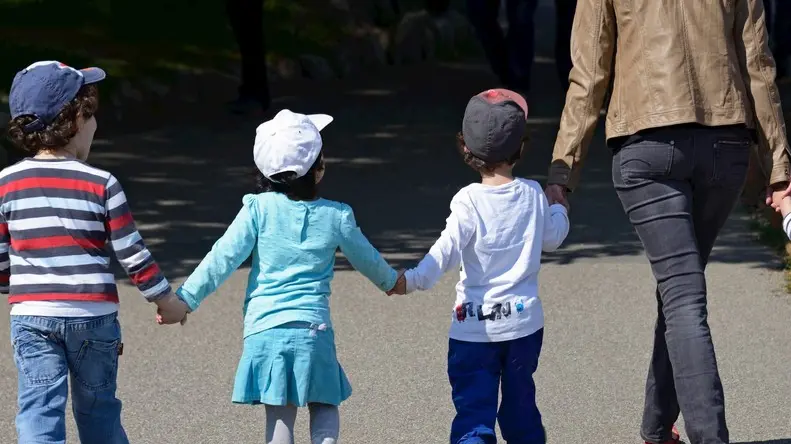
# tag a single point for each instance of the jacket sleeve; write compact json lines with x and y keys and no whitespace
{"x":227,"y":254}
{"x":556,"y":225}
{"x":758,"y":72}
{"x":445,"y":254}
{"x":362,"y":255}
{"x":5,"y":263}
{"x":129,"y":247}
{"x":593,"y":41}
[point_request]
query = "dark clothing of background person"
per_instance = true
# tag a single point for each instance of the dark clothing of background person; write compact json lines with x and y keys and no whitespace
{"x":510,"y":55}
{"x":782,"y":36}
{"x":247,"y":22}
{"x":437,"y":7}
{"x":564,"y":20}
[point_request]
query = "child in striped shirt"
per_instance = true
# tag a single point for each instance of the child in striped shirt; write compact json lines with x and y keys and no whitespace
{"x":59,"y":218}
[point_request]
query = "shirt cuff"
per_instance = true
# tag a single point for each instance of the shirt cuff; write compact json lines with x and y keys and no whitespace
{"x":558,"y":208}
{"x":409,"y":275}
{"x":188,"y":298}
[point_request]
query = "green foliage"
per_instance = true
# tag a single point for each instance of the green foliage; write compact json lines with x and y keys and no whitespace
{"x":152,"y":38}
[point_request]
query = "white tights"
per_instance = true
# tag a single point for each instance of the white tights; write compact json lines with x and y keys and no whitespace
{"x":324,"y":424}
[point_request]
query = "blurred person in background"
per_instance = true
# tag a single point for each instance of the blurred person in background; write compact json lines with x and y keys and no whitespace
{"x":246,"y":18}
{"x":511,"y":54}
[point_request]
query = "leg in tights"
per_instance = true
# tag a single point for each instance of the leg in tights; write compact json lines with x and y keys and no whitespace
{"x":325,"y":422}
{"x":280,"y":424}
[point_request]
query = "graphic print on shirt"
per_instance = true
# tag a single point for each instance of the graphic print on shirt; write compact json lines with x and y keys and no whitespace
{"x":495,"y":312}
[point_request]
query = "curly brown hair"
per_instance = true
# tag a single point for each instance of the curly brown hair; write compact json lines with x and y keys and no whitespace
{"x":481,"y":165}
{"x":58,"y":133}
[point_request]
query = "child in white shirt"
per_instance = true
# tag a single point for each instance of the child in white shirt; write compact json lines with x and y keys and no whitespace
{"x":496,"y":231}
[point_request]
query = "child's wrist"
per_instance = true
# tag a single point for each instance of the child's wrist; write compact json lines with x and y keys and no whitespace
{"x":158,"y":299}
{"x":185,"y":297}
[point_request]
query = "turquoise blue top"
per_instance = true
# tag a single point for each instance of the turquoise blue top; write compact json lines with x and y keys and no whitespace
{"x":293,"y":245}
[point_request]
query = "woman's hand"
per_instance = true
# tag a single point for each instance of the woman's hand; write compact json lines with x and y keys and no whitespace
{"x":775,"y":194}
{"x":557,"y":194}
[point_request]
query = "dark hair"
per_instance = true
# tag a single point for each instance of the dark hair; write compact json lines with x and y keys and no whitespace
{"x":295,"y":188}
{"x":58,"y":133}
{"x":481,"y":165}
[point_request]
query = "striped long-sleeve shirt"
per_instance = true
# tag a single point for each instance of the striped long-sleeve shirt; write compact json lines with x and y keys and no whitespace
{"x":59,"y":219}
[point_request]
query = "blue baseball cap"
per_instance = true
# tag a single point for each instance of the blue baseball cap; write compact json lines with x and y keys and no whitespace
{"x":42,"y":90}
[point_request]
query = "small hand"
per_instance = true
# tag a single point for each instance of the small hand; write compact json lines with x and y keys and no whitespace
{"x":557,"y":194}
{"x":776,"y":193}
{"x":785,"y":206}
{"x":171,"y":310}
{"x":400,"y":285}
{"x":160,"y":321}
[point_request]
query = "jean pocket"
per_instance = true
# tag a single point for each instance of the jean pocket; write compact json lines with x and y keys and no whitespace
{"x":96,"y":366}
{"x":40,"y":360}
{"x":645,"y":160}
{"x":731,"y":162}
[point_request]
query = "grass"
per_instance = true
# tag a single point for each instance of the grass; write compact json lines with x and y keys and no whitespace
{"x":155,"y":39}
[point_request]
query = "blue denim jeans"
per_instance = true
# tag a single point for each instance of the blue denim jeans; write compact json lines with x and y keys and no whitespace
{"x":478,"y":371}
{"x":47,"y":351}
{"x":678,"y":185}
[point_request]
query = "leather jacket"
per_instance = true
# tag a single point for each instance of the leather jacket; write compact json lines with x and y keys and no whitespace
{"x":673,"y":62}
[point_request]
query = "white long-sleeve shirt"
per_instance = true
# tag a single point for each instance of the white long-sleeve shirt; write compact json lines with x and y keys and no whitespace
{"x":496,"y":234}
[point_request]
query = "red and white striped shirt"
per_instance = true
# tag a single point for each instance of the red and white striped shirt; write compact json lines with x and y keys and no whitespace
{"x":59,"y":219}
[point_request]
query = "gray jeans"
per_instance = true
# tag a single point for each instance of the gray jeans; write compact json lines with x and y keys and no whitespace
{"x":678,"y":185}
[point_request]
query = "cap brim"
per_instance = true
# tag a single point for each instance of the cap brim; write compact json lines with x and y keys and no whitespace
{"x":93,"y":75}
{"x":320,"y":120}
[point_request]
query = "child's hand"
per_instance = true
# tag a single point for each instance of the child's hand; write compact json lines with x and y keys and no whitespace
{"x":785,"y":206}
{"x":400,"y":285}
{"x":776,"y":193}
{"x":171,"y":310}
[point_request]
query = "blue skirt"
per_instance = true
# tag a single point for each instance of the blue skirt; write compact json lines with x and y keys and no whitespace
{"x":292,"y":364}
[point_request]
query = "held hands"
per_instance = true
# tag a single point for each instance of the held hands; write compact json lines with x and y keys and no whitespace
{"x":557,"y":194}
{"x":776,"y":193}
{"x":171,"y":310}
{"x":400,"y":286}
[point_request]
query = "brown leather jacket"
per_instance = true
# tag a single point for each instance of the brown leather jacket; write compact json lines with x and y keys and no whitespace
{"x":675,"y":61}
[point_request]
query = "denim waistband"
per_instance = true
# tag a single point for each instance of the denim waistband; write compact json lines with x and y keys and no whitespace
{"x":67,"y":324}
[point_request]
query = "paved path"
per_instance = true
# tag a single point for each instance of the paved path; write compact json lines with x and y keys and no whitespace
{"x":392,"y":157}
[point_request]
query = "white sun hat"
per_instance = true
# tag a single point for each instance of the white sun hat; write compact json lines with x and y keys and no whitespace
{"x":289,"y":142}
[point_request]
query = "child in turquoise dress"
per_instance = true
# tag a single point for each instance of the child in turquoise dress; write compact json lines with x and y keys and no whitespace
{"x":288,"y":359}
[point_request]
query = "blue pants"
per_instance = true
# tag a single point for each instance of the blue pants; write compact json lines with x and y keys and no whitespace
{"x":476,"y":371}
{"x":49,"y":350}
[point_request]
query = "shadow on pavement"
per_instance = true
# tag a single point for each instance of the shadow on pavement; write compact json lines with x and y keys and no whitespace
{"x":391,"y":155}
